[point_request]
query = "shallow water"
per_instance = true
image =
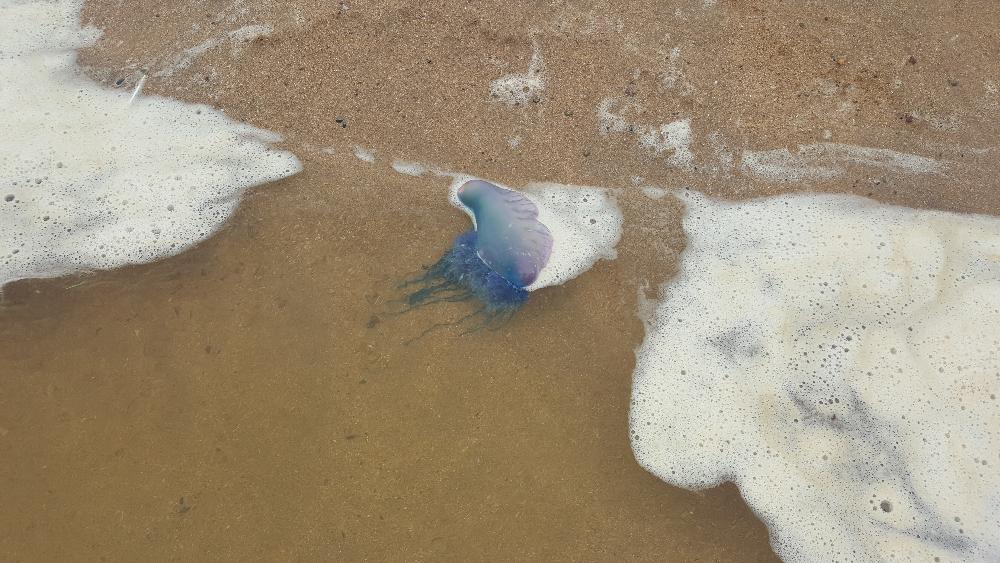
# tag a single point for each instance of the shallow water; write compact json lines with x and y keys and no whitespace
{"x":248,"y":383}
{"x":251,"y":399}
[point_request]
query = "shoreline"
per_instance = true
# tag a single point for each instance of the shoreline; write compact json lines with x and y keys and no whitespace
{"x":236,"y":401}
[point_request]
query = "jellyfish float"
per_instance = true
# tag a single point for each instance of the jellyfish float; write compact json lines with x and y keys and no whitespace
{"x":493,"y":264}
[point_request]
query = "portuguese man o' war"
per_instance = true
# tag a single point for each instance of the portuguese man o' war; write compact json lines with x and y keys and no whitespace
{"x":541,"y":235}
{"x":494,"y":263}
{"x":509,"y":237}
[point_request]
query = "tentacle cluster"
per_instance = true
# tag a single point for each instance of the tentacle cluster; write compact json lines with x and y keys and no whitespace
{"x":461,"y":275}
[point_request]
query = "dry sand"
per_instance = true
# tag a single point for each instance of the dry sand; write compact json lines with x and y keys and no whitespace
{"x":251,"y":400}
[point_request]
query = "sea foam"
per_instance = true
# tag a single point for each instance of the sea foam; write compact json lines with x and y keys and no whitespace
{"x":520,"y":88}
{"x":839,"y":360}
{"x":89,"y":181}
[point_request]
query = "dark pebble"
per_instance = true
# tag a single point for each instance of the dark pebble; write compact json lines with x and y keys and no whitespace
{"x":912,"y":60}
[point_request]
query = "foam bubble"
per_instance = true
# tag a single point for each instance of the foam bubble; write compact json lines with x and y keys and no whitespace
{"x":409,"y":168}
{"x":91,"y":182}
{"x":363,"y":154}
{"x":672,"y":138}
{"x":828,"y":160}
{"x":585,"y":223}
{"x":653,"y":192}
{"x":839,"y":360}
{"x":247,"y":34}
{"x":33,"y":27}
{"x":237,"y":38}
{"x":520,"y":88}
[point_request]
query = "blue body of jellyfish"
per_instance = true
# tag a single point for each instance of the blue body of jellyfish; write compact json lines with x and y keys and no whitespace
{"x":492,"y":264}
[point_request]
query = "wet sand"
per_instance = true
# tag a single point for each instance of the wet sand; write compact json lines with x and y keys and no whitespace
{"x":251,"y":399}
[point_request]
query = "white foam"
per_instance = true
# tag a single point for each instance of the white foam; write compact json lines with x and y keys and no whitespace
{"x":249,"y":33}
{"x":520,"y":88}
{"x":363,"y":154}
{"x":33,"y":27}
{"x":840,"y":361}
{"x":88,"y":181}
{"x":653,"y":192}
{"x":673,"y":138}
{"x":828,"y":160}
{"x":673,"y":72}
{"x":187,"y":57}
{"x":237,"y":38}
{"x":409,"y":168}
{"x":608,"y":120}
{"x":585,"y":223}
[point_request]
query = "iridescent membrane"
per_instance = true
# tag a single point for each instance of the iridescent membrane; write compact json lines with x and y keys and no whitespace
{"x":493,"y":264}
